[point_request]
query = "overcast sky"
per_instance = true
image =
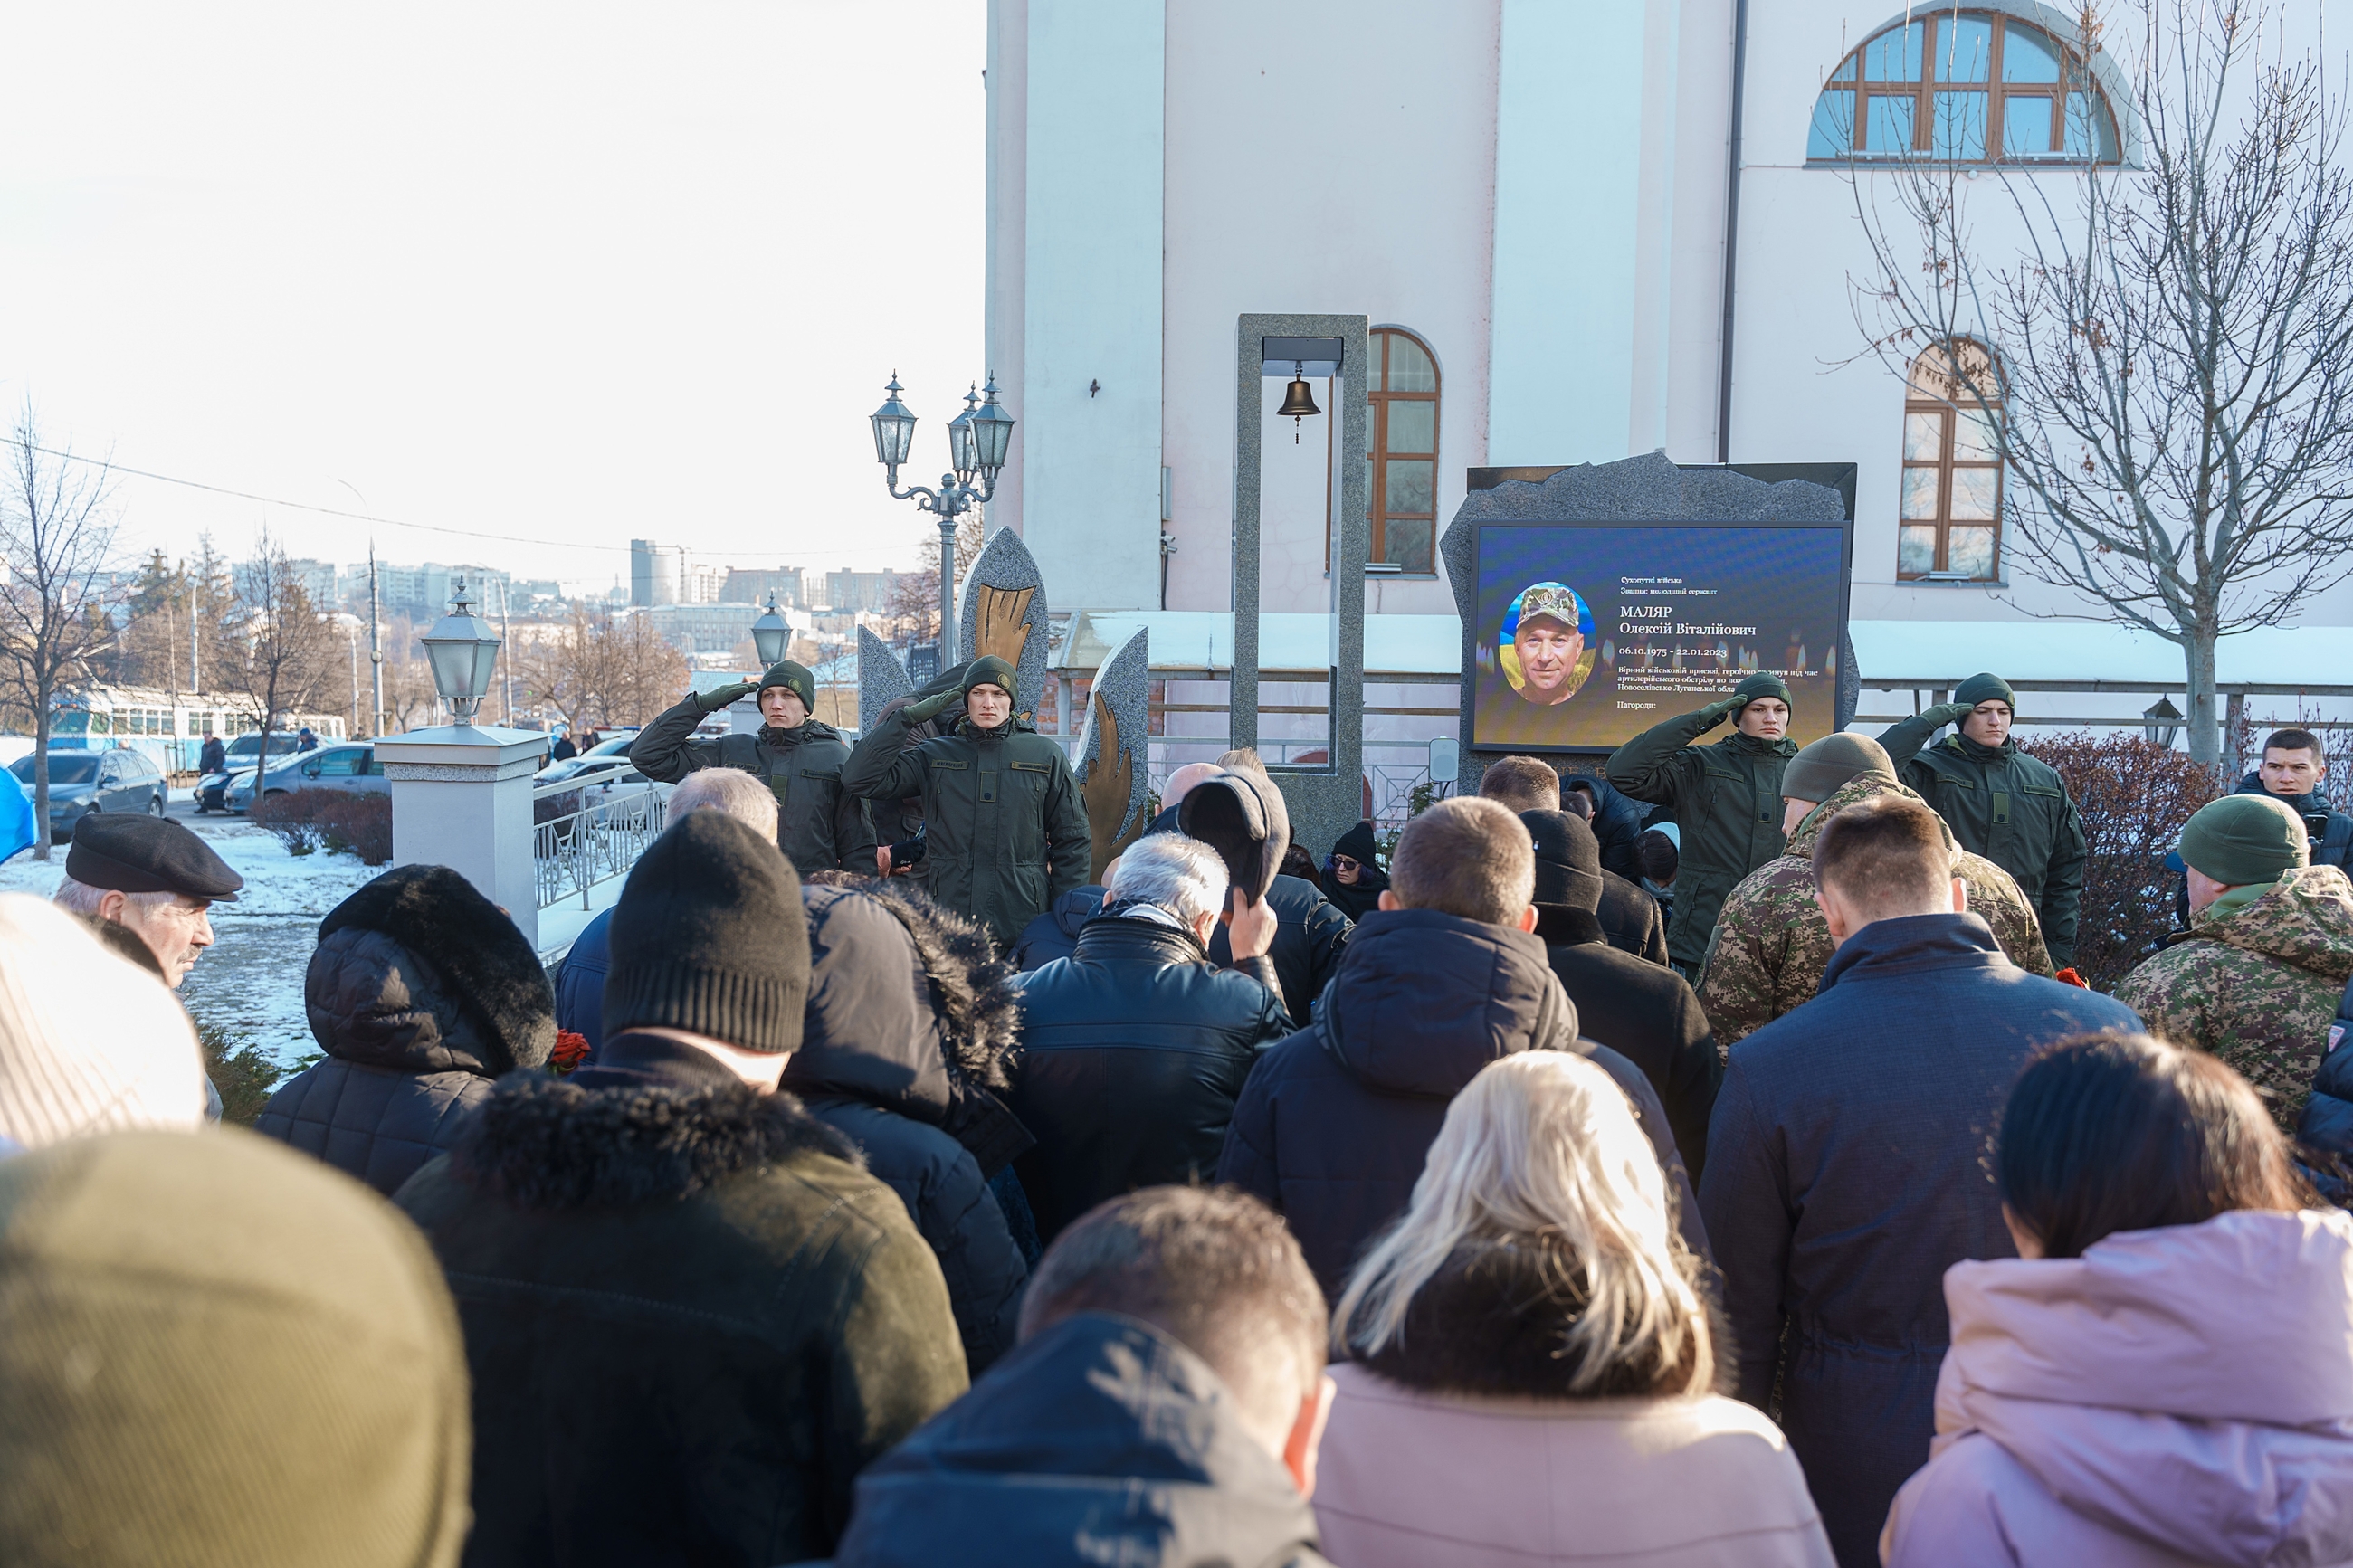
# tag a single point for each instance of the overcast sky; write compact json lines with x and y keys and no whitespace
{"x":576,"y":272}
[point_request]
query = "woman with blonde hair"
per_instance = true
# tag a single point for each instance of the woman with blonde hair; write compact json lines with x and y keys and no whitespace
{"x":1529,"y":1368}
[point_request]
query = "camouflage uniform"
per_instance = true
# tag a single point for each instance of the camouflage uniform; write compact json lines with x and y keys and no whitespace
{"x":2257,"y":986}
{"x":1771,"y":943}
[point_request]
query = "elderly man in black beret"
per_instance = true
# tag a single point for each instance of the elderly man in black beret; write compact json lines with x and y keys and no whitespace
{"x":152,"y":876}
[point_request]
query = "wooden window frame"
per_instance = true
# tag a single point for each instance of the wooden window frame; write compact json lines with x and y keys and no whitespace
{"x":2074,"y":77}
{"x":1948,"y":410}
{"x":1378,"y":453}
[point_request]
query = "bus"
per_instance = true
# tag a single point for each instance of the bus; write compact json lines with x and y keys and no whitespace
{"x":168,"y":727}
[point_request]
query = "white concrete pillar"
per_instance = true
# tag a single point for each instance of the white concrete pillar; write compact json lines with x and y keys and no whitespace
{"x":461,"y":798}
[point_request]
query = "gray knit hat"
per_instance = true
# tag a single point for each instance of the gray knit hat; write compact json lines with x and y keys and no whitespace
{"x":1822,"y":766}
{"x":711,"y":937}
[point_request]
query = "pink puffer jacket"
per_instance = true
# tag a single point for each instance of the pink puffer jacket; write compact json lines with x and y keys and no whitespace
{"x":2173,"y":1396}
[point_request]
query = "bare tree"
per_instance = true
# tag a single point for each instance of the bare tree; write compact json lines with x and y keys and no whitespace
{"x":914,"y":602}
{"x":57,"y":532}
{"x":602,"y":669}
{"x":281,"y":649}
{"x":2170,"y":387}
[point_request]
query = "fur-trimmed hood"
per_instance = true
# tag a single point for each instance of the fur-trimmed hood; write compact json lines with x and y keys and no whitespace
{"x":419,"y":973}
{"x":910,"y":1009}
{"x":545,"y":1143}
{"x":1494,"y":1319}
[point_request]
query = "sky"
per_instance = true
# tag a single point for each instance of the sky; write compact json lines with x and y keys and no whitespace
{"x":572,"y":274}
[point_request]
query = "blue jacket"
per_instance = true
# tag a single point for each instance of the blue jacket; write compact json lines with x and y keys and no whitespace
{"x":1101,"y":1439}
{"x":1334,"y":1123}
{"x":580,"y":982}
{"x":1847,"y":1171}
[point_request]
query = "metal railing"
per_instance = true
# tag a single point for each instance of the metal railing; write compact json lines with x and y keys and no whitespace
{"x":591,"y":836}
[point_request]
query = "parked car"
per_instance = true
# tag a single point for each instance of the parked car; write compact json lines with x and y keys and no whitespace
{"x":603,"y":757}
{"x":238,"y":756}
{"x":352,"y":768}
{"x":84,"y":782}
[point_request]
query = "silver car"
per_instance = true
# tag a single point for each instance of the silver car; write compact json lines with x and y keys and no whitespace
{"x":349,"y":768}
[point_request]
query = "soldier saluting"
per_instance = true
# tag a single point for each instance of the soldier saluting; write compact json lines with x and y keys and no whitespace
{"x":1004,"y":832}
{"x":820,"y":824}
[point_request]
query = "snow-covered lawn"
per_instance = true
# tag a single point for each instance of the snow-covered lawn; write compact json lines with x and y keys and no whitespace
{"x":251,"y":980}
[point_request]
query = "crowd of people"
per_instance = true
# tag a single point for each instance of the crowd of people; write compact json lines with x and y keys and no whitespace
{"x":1711,"y":1161}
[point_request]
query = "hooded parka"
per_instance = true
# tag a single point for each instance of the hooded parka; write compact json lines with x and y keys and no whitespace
{"x":820,"y":824}
{"x":1726,"y":796}
{"x":2006,"y":806}
{"x":421,"y":993}
{"x":910,"y":1017}
{"x":1005,"y":833}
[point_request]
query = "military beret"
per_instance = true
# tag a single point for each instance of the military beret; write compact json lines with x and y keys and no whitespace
{"x":145,"y":854}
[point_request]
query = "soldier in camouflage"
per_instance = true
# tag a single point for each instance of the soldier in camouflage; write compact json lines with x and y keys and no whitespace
{"x":2256,"y":978}
{"x":1771,"y":943}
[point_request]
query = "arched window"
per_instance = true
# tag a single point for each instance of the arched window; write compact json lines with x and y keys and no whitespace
{"x":1949,"y":526}
{"x":1401,"y":452}
{"x":1969,"y":87}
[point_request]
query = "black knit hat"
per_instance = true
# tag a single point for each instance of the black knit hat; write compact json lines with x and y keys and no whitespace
{"x":795,"y":677}
{"x":710,"y":937}
{"x":1985,"y":688}
{"x":989,"y":670}
{"x":1764,"y":683}
{"x":1569,"y":860}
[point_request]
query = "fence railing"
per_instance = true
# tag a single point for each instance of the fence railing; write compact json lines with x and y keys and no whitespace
{"x":587,"y":835}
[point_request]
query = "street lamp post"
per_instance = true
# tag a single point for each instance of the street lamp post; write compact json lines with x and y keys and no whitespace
{"x":462,"y":652}
{"x":771,"y":635}
{"x":979,"y":440}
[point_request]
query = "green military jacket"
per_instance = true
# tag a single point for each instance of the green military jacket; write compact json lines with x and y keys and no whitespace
{"x":1004,"y":832}
{"x":2006,"y":806}
{"x":1727,"y":798}
{"x":2256,"y":983}
{"x":1771,"y":943}
{"x":820,"y":826}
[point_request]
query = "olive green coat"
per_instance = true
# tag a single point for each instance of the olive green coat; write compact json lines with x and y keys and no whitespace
{"x":2006,"y":806}
{"x":1004,"y":832}
{"x":1727,"y":798}
{"x":820,"y":826}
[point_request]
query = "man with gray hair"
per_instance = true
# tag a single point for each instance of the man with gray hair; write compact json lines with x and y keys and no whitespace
{"x":1133,"y":1047}
{"x":580,"y":975}
{"x":152,"y":877}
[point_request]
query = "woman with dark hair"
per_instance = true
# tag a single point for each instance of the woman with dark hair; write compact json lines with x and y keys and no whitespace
{"x":1353,"y":878}
{"x":2164,"y":1374}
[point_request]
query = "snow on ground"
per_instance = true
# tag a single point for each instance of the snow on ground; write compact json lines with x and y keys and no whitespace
{"x":251,"y":980}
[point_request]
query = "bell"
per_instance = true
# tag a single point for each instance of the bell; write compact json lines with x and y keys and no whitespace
{"x":1298,"y":402}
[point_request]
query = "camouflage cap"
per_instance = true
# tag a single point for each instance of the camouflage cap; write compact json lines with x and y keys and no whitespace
{"x":1552,"y":599}
{"x":2245,"y":840}
{"x":1819,"y":767}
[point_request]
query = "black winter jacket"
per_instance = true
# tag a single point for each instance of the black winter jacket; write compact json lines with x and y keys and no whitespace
{"x":1311,"y":931}
{"x":1335,"y":1121}
{"x":1101,"y":1440}
{"x":905,"y":1074}
{"x":1133,"y":1050}
{"x":1617,"y":821}
{"x":1644,"y":1012}
{"x":691,"y":1319}
{"x":421,"y":992}
{"x":1632,"y":921}
{"x":820,"y":826}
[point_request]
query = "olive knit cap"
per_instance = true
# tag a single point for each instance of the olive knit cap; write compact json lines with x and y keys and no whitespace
{"x":222,"y":1353}
{"x":989,"y":670}
{"x":1980,"y":689}
{"x":710,"y":937}
{"x":2245,"y":840}
{"x":1822,"y":767}
{"x":1764,"y":683}
{"x":795,"y":677}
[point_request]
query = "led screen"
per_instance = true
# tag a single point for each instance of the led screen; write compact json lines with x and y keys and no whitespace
{"x":1588,"y":636}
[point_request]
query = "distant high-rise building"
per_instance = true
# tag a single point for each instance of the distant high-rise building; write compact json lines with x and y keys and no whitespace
{"x":653,"y":573}
{"x":847,"y":589}
{"x":754,"y":587}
